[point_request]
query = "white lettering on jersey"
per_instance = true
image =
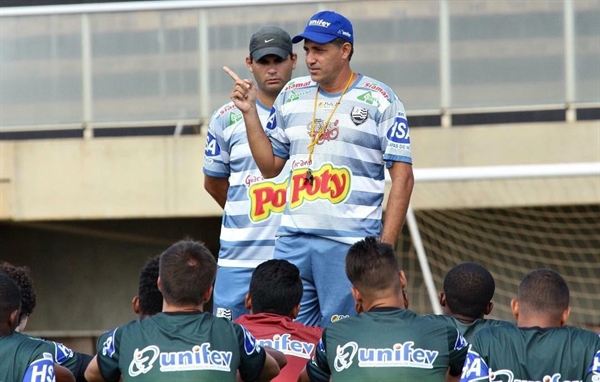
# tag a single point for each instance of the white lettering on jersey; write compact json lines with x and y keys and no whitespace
{"x":41,"y":370}
{"x":109,"y":345}
{"x":344,"y":356}
{"x":143,"y":360}
{"x":284,"y":344}
{"x":399,"y":355}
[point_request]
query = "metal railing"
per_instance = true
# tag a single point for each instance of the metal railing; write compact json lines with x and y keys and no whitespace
{"x":148,"y":63}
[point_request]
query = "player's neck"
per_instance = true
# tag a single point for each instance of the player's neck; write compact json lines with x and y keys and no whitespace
{"x":265,"y":99}
{"x":5,"y":330}
{"x":389,"y":302}
{"x":464,"y":319}
{"x":167,"y":308}
{"x":537,"y":321}
{"x":338,"y":84}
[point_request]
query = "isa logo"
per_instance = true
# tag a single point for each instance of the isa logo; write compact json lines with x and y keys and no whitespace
{"x":212,"y":148}
{"x":398,"y":132}
{"x":40,"y":370}
{"x":272,"y":121}
{"x":63,"y":353}
{"x":250,"y":344}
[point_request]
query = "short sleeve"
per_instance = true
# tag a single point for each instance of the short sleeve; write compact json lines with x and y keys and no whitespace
{"x":41,"y":368}
{"x":216,"y":150}
{"x":276,"y":131}
{"x":252,"y":356}
{"x":458,"y":347}
{"x":475,"y":367}
{"x":108,"y":355}
{"x":395,"y":134}
{"x":594,"y":370}
{"x":318,"y":368}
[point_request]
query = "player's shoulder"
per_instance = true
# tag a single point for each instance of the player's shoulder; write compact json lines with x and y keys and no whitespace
{"x":299,"y":83}
{"x":581,"y":334}
{"x":29,"y":344}
{"x":225,"y":111}
{"x":376,"y":88}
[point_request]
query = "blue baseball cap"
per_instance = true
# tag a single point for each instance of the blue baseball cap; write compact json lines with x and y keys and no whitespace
{"x":325,"y":27}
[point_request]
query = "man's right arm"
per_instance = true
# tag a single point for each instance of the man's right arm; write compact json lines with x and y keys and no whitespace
{"x":243,"y":96}
{"x":217,"y":188}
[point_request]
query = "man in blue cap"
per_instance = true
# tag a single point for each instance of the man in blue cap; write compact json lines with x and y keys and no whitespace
{"x":338,"y":130}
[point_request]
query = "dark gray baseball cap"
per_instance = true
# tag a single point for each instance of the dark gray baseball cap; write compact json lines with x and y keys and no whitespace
{"x":270,"y":39}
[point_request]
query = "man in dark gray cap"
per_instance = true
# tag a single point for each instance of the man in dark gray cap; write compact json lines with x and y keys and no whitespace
{"x":252,"y":205}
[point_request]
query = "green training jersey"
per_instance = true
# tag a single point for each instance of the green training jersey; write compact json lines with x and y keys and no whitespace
{"x":469,"y":330}
{"x":62,"y":355}
{"x":514,"y":354}
{"x":23,"y":359}
{"x":186,"y":346}
{"x":388,"y":344}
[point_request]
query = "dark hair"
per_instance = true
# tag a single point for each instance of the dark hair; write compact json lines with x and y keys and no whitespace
{"x":187,"y":271}
{"x":10,"y":296}
{"x":22,"y":278}
{"x":469,"y":288}
{"x":275,"y":287}
{"x":543,"y":292}
{"x":339,"y":42}
{"x":150,"y":297}
{"x":371,"y":266}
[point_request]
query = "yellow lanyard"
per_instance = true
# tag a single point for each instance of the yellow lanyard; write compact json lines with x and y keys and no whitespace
{"x":317,"y":136}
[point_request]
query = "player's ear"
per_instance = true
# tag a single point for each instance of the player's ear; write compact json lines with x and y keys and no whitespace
{"x":159,"y":284}
{"x":294,"y":313}
{"x":13,"y":319}
{"x":249,"y":63}
{"x":489,"y":308}
{"x":514,"y":306}
{"x":565,"y":316}
{"x":356,"y":295}
{"x":248,"y":302}
{"x":294,"y":58}
{"x":346,"y":49}
{"x":442,"y":298}
{"x":207,"y":295}
{"x":403,"y":282}
{"x":135,"y":304}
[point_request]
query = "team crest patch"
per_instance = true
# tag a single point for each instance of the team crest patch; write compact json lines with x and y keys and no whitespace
{"x":331,"y":130}
{"x":359,"y":115}
{"x":224,"y":313}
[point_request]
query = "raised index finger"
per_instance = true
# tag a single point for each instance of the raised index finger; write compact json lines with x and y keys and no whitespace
{"x":231,"y":74}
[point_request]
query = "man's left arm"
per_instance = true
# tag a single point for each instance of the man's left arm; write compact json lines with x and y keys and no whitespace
{"x":402,"y":185}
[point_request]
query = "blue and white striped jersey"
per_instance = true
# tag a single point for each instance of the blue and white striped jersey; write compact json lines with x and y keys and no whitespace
{"x":254,"y":204}
{"x":367,"y":132}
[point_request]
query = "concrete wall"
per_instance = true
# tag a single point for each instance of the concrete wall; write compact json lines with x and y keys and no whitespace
{"x":162,"y":176}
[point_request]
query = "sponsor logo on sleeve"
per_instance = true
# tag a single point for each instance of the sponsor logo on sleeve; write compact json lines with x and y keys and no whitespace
{"x":398,"y":132}
{"x":285,"y":344}
{"x":475,"y":368}
{"x":272,"y":121}
{"x":595,"y":368}
{"x":40,"y":370}
{"x":460,"y":341}
{"x":212,"y":148}
{"x":359,"y":115}
{"x":108,"y":348}
{"x":250,"y":344}
{"x":63,"y":353}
